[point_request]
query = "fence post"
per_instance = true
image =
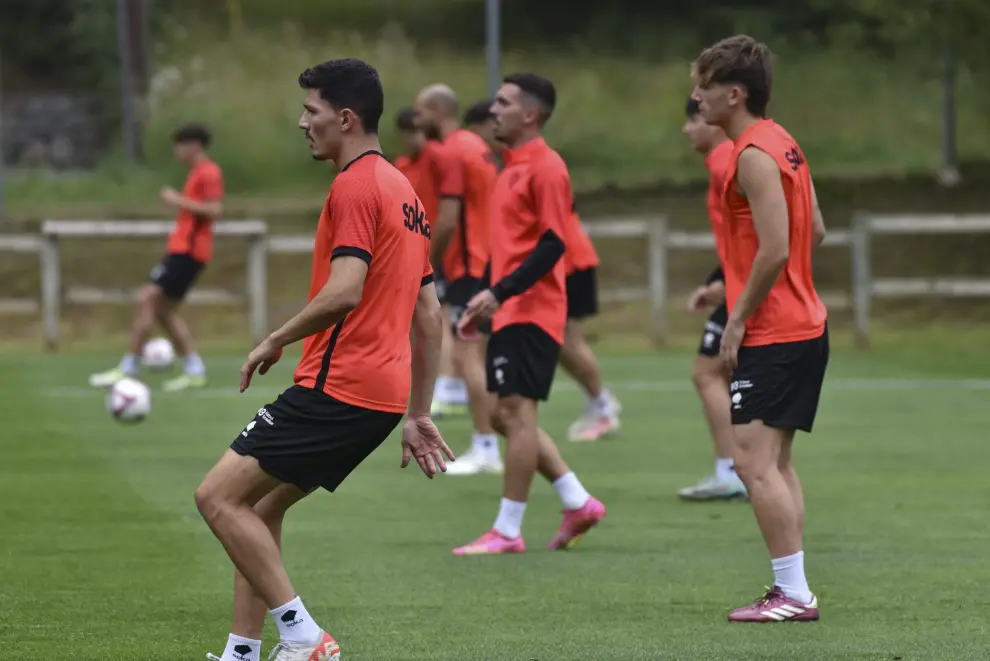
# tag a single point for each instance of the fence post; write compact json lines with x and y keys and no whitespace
{"x":862,"y":280}
{"x":257,"y":286}
{"x":657,"y":265}
{"x":51,"y":290}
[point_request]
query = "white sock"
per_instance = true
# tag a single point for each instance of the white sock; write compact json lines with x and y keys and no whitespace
{"x":295,"y":625}
{"x":194,"y":365}
{"x":457,"y":391}
{"x":129,"y":364}
{"x":572,"y":493}
{"x":603,"y":404}
{"x":725,"y":469}
{"x":789,"y":576}
{"x":486,"y":445}
{"x":443,"y":391}
{"x":241,"y":649}
{"x":510,"y":518}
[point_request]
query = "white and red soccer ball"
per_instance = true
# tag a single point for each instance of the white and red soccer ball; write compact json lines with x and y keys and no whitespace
{"x":128,"y":400}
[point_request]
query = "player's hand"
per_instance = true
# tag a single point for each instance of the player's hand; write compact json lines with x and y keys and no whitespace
{"x":421,"y":439}
{"x":707,"y":296}
{"x":170,"y":196}
{"x":262,"y":358}
{"x":732,"y":338}
{"x":481,"y":307}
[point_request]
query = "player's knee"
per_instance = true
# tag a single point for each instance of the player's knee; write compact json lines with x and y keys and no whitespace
{"x":148,"y":296}
{"x":208,"y":501}
{"x":708,"y":372}
{"x":495,"y":418}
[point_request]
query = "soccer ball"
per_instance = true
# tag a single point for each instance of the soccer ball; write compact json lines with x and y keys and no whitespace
{"x":158,"y":354}
{"x":129,"y":400}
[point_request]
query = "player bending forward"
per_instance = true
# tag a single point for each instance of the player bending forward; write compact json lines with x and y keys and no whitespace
{"x":372,"y":285}
{"x":190,"y":247}
{"x":528,"y":307}
{"x":776,"y":337}
{"x":711,"y":379}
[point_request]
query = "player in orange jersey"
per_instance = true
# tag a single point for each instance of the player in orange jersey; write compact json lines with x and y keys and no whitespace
{"x":461,"y":243}
{"x":419,"y":165}
{"x":189,"y":249}
{"x":711,"y":380}
{"x":478,"y":119}
{"x":527,"y":304}
{"x":371,"y":343}
{"x":776,"y":336}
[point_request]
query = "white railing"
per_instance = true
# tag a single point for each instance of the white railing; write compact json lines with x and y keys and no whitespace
{"x":53,"y":292}
{"x":654,"y":232}
{"x":866,"y":287}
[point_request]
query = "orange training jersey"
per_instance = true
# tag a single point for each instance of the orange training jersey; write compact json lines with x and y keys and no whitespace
{"x":365,"y":359}
{"x":581,"y":254}
{"x":717,"y":163}
{"x":419,"y":170}
{"x":466,"y":169}
{"x":192,"y":234}
{"x":532,"y":196}
{"x":792,"y":312}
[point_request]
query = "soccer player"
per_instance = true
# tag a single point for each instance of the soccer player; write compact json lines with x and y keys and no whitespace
{"x":776,"y":337}
{"x":601,"y":413}
{"x":460,"y":248}
{"x":189,"y":249}
{"x":478,"y":119}
{"x":371,"y":334}
{"x":528,"y":307}
{"x":711,"y":380}
{"x":450,"y":396}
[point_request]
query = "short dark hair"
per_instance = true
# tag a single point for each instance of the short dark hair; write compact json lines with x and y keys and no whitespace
{"x":479,"y":112}
{"x":348,"y":83}
{"x":739,"y":60}
{"x":539,"y":88}
{"x":405,"y":119}
{"x":692,"y":108}
{"x":192,"y":133}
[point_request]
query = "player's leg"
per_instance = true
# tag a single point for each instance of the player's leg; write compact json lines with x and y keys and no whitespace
{"x":521,"y":364}
{"x":148,"y":299}
{"x":601,"y":413}
{"x":187,"y":271}
{"x":711,"y":382}
{"x":469,"y":361}
{"x":582,"y":511}
{"x":244,"y":642}
{"x":775,"y":393}
{"x":450,"y":397}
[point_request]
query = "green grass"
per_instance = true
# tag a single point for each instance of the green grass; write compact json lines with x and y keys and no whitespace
{"x":105,"y":557}
{"x":618,"y":119}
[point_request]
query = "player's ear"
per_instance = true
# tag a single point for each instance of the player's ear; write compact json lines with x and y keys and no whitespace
{"x":347,"y":120}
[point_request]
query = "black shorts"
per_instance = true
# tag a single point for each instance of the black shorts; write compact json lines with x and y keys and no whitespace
{"x":459,"y":294}
{"x":309,"y":439}
{"x":175,"y":274}
{"x":582,"y":293}
{"x":711,"y":338}
{"x":780,"y":384}
{"x":521,"y":360}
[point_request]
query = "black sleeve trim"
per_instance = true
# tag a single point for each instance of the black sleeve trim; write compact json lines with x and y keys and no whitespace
{"x":718,"y":275}
{"x":351,"y":251}
{"x":426,"y":280}
{"x":549,"y":249}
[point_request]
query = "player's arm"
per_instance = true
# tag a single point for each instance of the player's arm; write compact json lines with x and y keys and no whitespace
{"x":552,"y":191}
{"x":427,"y":335}
{"x":452,"y":190}
{"x":209,"y":188}
{"x":341,"y":294}
{"x":817,"y":220}
{"x":759,"y":178}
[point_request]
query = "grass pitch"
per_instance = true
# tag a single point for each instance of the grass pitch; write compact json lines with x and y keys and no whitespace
{"x":105,"y":557}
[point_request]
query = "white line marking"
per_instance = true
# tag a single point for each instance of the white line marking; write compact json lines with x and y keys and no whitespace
{"x":680,"y":385}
